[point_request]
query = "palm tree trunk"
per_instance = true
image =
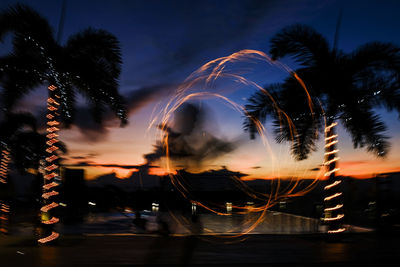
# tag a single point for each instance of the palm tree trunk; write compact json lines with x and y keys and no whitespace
{"x":51,"y":168}
{"x":4,"y":204}
{"x":333,"y":212}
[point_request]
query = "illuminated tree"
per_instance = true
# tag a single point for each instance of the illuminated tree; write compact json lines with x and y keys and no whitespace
{"x":345,"y":87}
{"x":11,"y":129}
{"x":89,"y":63}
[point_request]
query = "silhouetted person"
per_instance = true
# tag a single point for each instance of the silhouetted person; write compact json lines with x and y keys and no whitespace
{"x":163,"y":227}
{"x":139,"y":222}
{"x":196,"y":228}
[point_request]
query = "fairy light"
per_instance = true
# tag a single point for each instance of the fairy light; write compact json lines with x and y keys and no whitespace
{"x":338,"y":217}
{"x":50,"y":185}
{"x":49,"y":194}
{"x":51,"y":169}
{"x":340,"y":230}
{"x":332,"y":196}
{"x":52,"y":158}
{"x":331,"y":200}
{"x":331,"y":152}
{"x":50,"y":176}
{"x":331,"y":161}
{"x":4,"y":209}
{"x":5,"y":160}
{"x":52,"y":135}
{"x":334,"y":208}
{"x":49,"y":207}
{"x":51,"y":221}
{"x":51,"y":237}
{"x":332,"y":185}
{"x":332,"y":171}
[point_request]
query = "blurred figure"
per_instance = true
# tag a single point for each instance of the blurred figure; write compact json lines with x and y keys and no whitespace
{"x":139,"y":223}
{"x":196,"y":228}
{"x":163,"y":227}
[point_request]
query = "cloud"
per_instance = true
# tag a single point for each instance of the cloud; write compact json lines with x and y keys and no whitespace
{"x":352,"y":163}
{"x":94,"y":164}
{"x":256,"y":167}
{"x":96,"y":132}
{"x":189,"y":142}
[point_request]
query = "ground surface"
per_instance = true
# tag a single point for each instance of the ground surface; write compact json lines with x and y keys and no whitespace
{"x":352,"y":250}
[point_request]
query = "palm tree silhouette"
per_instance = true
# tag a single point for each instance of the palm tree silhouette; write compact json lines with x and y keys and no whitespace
{"x":11,"y":129}
{"x":22,"y":145}
{"x":89,"y":63}
{"x":349,"y":86}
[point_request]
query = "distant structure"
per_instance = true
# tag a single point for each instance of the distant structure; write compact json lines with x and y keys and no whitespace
{"x":74,"y":194}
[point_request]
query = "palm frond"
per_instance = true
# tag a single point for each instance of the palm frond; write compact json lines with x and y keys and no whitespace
{"x":25,"y":22}
{"x":366,"y":129}
{"x":94,"y":58}
{"x":258,"y":108}
{"x":302,"y":42}
{"x":377,"y":56}
{"x":13,"y":123}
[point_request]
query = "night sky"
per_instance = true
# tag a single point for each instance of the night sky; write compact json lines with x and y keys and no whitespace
{"x":165,"y":41}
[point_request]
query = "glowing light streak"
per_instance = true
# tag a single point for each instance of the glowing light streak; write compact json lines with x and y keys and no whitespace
{"x":53,"y":123}
{"x":340,"y":230}
{"x":51,"y":149}
{"x":50,"y":176}
{"x":332,"y":171}
{"x":338,"y":217}
{"x":53,"y":220}
{"x":5,"y":160}
{"x":331,"y":143}
{"x":332,"y":185}
{"x":331,"y":152}
{"x":52,"y":101}
{"x":202,"y":78}
{"x":52,"y":135}
{"x":327,"y":128}
{"x":333,"y":196}
{"x":51,"y":167}
{"x":52,"y":129}
{"x":51,"y":158}
{"x":49,"y":207}
{"x":51,"y":237}
{"x":50,"y":185}
{"x":51,"y":171}
{"x":331,"y":161}
{"x":331,"y":137}
{"x":49,"y":194}
{"x":334,"y":208}
{"x":51,"y":142}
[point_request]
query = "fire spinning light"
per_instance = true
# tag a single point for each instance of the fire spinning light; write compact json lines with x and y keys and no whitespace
{"x":331,"y":201}
{"x":51,"y":171}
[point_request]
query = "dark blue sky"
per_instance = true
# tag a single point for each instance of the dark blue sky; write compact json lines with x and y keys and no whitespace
{"x":164,"y":41}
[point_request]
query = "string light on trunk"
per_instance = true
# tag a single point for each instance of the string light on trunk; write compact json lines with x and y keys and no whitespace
{"x":332,"y":200}
{"x":51,"y":169}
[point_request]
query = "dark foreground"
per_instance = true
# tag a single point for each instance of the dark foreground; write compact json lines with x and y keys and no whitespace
{"x":354,"y":249}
